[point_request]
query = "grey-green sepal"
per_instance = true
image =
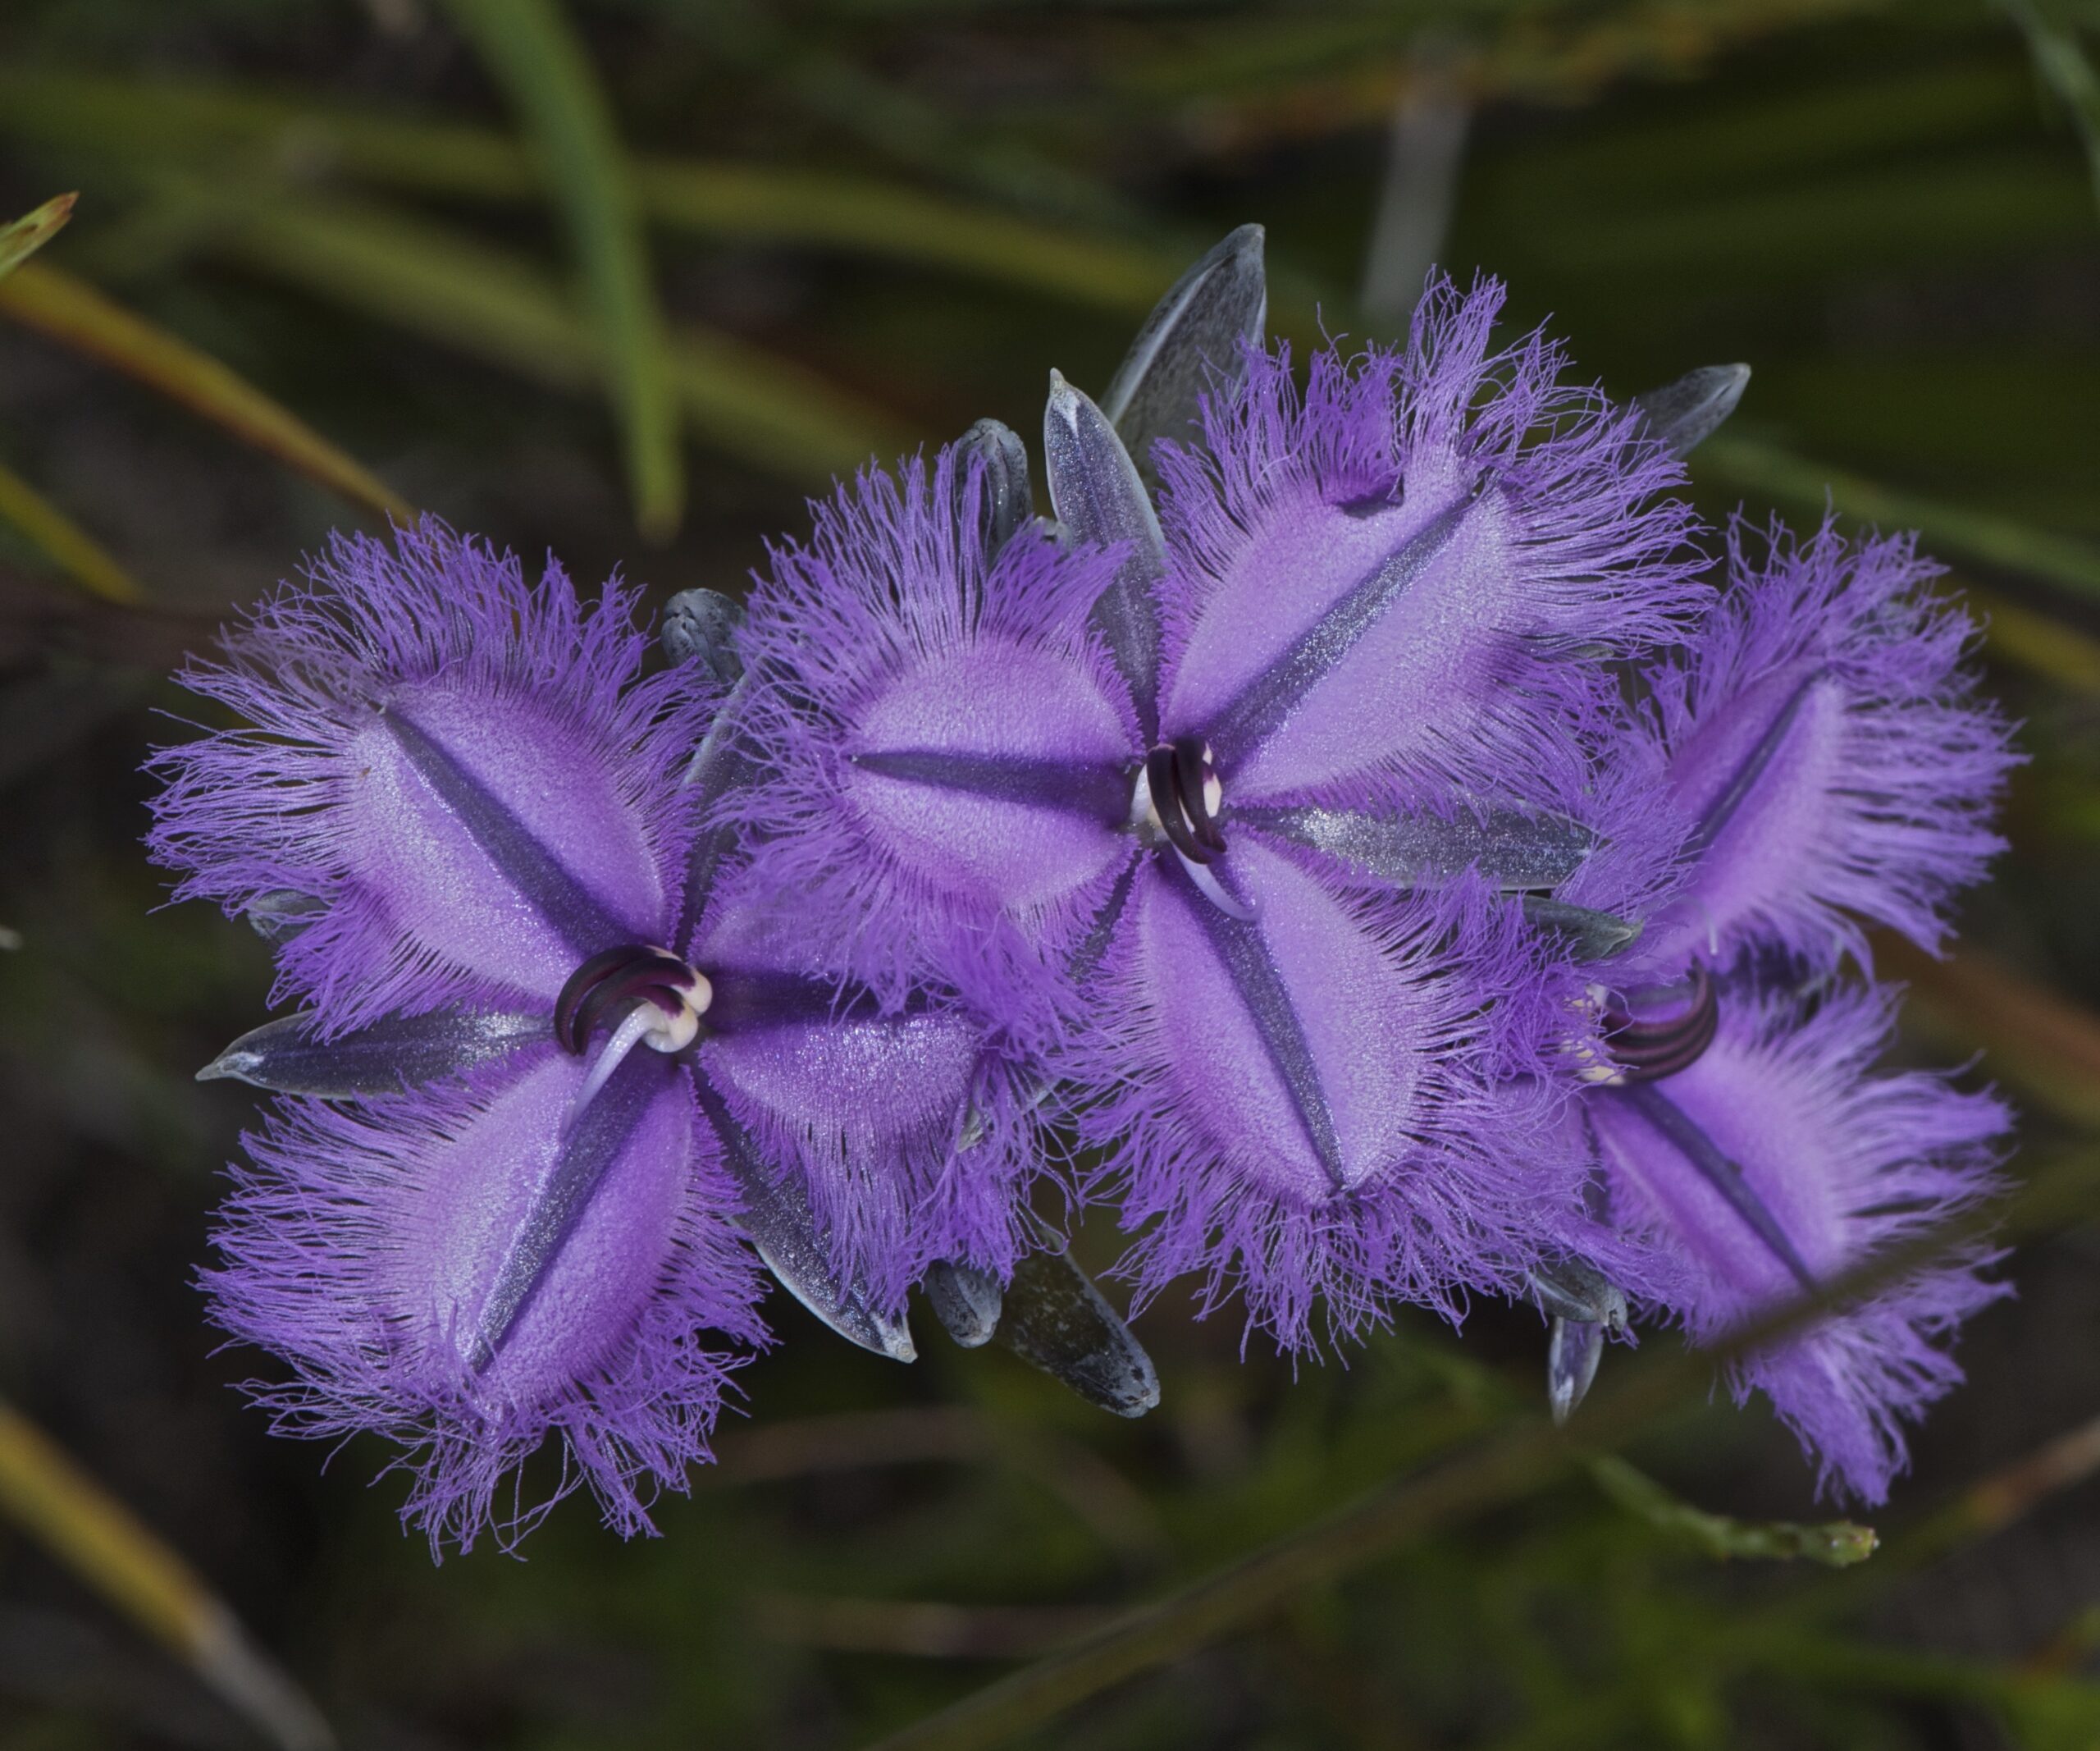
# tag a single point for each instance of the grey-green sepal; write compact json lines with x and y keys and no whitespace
{"x":1684,"y":414}
{"x":390,"y":1057}
{"x":1190,"y":345}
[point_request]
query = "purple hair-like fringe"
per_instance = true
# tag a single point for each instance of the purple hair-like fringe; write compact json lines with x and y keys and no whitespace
{"x":1905,"y":1152}
{"x":254,"y":811}
{"x":320,"y":1205}
{"x":1612,"y":567}
{"x":894,"y":571}
{"x":1926,"y":756}
{"x":1493,"y":1182}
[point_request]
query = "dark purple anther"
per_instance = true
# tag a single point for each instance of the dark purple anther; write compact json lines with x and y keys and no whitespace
{"x":1645,"y":1049}
{"x":1179,"y":778}
{"x":615,"y":978}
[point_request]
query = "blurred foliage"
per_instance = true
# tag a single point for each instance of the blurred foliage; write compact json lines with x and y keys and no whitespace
{"x":529,"y":265}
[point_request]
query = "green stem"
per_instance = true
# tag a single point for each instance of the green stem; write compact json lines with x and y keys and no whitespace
{"x":1390,"y":1517}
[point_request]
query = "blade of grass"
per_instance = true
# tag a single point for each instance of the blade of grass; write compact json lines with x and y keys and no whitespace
{"x":100,"y":1540}
{"x":2036,"y":642}
{"x":63,"y":541}
{"x":75,"y":315}
{"x":1753,"y":465}
{"x":33,"y":231}
{"x":2043,"y":1043}
{"x":495,"y":307}
{"x":1389,"y":1519}
{"x":2060,"y":64}
{"x":759,"y":202}
{"x":544,"y":70}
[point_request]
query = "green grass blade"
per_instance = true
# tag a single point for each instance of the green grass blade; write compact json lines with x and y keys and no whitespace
{"x":1750,"y":465}
{"x":72,"y":312}
{"x":2060,"y":64}
{"x":528,"y":47}
{"x":494,"y":307}
{"x":32,"y":231}
{"x":756,"y":202}
{"x":63,"y":541}
{"x":96,"y":1536}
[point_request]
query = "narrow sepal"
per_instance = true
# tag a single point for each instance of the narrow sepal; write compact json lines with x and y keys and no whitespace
{"x":1056,"y":1318}
{"x":1574,"y":1350}
{"x":773,"y":1211}
{"x":699,"y":627}
{"x":282,"y":914}
{"x":1682,"y":415}
{"x":391,"y":1056}
{"x":1587,"y":934}
{"x":967,"y":1301}
{"x":1101,"y":501}
{"x":1009,"y":500}
{"x":1513,"y":848}
{"x":1193,"y":343}
{"x":1571,"y":1289}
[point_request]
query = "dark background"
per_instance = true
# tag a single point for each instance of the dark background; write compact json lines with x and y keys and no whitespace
{"x":1889,"y":210}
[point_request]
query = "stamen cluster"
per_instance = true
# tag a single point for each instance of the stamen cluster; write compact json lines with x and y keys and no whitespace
{"x":1360,"y":815}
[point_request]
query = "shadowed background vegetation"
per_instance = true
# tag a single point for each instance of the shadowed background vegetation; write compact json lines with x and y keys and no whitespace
{"x":629,"y":279}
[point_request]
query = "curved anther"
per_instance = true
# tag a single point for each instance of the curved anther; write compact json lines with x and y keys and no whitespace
{"x":1643,"y":1049}
{"x":622,"y":979}
{"x":1182,"y":796}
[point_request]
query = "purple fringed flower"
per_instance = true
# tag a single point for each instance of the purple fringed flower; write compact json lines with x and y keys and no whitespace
{"x":1775,"y":1163}
{"x":1213,"y":793}
{"x":479,"y":837}
{"x":1826,"y":746}
{"x":1829,"y":765}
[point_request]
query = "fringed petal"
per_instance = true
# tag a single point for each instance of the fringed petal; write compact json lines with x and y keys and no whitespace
{"x":1828,"y":751}
{"x":1847,"y":1163}
{"x":1307,"y":1106}
{"x":368,"y":1246}
{"x":460,"y":768}
{"x":1407,"y":570}
{"x":950,"y":747}
{"x":868,"y":1104}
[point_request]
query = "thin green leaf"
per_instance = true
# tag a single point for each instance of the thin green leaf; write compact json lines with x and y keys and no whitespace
{"x":1835,"y":1544}
{"x":72,"y":312}
{"x":63,"y":541}
{"x":2060,"y":61}
{"x":749,"y":201}
{"x":436,"y":283}
{"x":2039,"y":642}
{"x":1752,"y":465}
{"x":2035,"y":1038}
{"x":33,"y":231}
{"x":96,"y":1537}
{"x":528,"y":47}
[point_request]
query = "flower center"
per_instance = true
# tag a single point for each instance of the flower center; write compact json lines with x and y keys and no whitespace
{"x":1178,"y":795}
{"x":1644,"y":1049}
{"x":651,"y":984}
{"x":1174,"y":803}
